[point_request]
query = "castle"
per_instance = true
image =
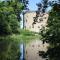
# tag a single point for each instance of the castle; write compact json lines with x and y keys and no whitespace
{"x":34,"y":21}
{"x":29,"y":19}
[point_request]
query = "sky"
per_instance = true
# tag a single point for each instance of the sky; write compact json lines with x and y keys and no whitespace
{"x":32,"y":4}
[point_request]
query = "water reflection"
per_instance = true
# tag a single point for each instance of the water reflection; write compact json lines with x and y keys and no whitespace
{"x":21,"y":51}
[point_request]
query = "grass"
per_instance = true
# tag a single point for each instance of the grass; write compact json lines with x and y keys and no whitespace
{"x":25,"y":36}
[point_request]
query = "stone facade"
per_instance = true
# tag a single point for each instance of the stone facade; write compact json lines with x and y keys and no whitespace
{"x":29,"y":19}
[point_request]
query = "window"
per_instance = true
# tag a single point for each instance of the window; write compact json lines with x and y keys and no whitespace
{"x":44,"y":17}
{"x":27,"y":16}
{"x":26,"y":20}
{"x":38,"y":26}
{"x":41,"y":15}
{"x":40,"y":19}
{"x":35,"y":19}
{"x":41,"y":53}
{"x":32,"y":45}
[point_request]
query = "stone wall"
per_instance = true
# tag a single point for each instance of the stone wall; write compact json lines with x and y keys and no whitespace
{"x":29,"y":19}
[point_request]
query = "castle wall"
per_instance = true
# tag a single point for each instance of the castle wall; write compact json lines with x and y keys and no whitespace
{"x":29,"y":19}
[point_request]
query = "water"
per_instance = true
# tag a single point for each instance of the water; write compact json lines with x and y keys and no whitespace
{"x":22,"y":51}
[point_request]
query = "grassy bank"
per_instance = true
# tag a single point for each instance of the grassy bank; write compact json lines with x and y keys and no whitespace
{"x":25,"y":36}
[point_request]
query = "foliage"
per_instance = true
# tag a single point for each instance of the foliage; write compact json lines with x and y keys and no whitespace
{"x":42,"y":6}
{"x":9,"y":24}
{"x":52,"y":33}
{"x":26,"y":36}
{"x":27,"y":32}
{"x":9,"y":17}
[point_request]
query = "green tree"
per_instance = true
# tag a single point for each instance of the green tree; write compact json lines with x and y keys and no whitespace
{"x":10,"y":16}
{"x":42,"y":6}
{"x":9,"y":24}
{"x":52,"y":33}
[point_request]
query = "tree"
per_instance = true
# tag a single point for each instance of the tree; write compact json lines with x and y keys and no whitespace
{"x":41,"y":9}
{"x":9,"y":24}
{"x":10,"y":16}
{"x":43,"y":6}
{"x":52,"y":33}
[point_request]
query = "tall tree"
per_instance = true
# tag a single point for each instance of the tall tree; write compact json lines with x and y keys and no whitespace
{"x":9,"y":24}
{"x":42,"y":6}
{"x":9,"y":16}
{"x":41,"y":9}
{"x":52,"y":33}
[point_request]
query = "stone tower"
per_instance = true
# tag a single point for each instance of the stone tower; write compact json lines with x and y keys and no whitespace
{"x":29,"y":19}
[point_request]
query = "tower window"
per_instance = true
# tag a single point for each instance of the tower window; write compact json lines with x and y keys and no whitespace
{"x":45,"y":18}
{"x":26,"y":20}
{"x":38,"y":26}
{"x":40,"y":19}
{"x":27,"y":16}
